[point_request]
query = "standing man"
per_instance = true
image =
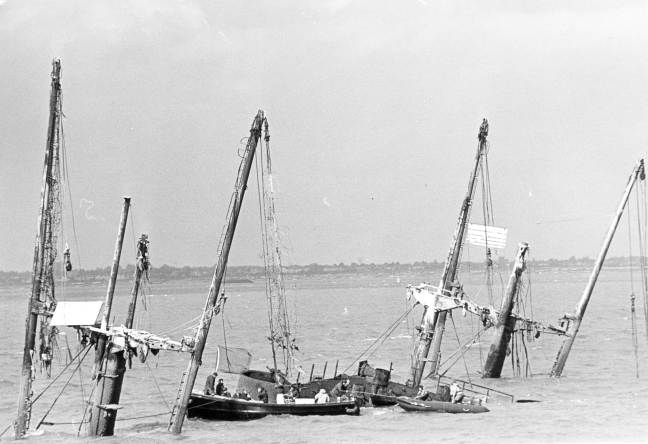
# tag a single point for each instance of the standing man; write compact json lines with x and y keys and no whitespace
{"x":209,"y":384}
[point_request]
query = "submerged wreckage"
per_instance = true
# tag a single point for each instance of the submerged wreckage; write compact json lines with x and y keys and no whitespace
{"x":115,"y":345}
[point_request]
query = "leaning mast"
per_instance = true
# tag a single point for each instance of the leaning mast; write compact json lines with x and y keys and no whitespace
{"x":212,"y":305}
{"x":42,"y":299}
{"x":432,"y":327}
{"x":575,"y":320}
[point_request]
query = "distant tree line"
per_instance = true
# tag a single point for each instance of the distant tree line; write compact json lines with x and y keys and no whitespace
{"x":242,"y":273}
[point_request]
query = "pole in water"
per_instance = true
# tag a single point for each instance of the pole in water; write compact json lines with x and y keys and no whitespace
{"x":505,"y":322}
{"x":189,"y":376}
{"x":574,"y":321}
{"x":109,"y":382}
{"x":21,"y":424}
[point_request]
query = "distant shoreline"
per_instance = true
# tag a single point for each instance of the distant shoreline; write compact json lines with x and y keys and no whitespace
{"x":241,"y":274}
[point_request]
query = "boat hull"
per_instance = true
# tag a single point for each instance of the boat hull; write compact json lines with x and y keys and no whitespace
{"x":232,"y":409}
{"x":416,"y":405}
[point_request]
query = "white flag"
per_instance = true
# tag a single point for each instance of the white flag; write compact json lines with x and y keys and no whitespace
{"x":485,"y":236}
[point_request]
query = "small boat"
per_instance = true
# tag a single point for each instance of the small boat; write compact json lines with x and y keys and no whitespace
{"x":214,"y":407}
{"x":417,"y":405}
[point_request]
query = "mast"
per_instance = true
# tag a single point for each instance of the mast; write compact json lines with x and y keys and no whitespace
{"x":109,"y":381}
{"x":279,"y":321}
{"x":44,"y":253}
{"x":141,"y":266}
{"x":505,"y":322}
{"x":575,"y":320}
{"x":432,"y":327}
{"x":211,"y":306}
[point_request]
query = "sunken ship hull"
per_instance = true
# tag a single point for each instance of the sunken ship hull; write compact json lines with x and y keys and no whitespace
{"x":214,"y":407}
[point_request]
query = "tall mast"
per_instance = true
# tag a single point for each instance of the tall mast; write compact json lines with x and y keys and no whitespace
{"x":44,"y":253}
{"x":505,"y":322}
{"x":576,"y":319}
{"x":189,"y":376}
{"x":109,"y":377}
{"x":432,"y":327}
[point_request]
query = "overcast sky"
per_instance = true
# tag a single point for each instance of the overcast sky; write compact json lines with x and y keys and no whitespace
{"x":374,"y":109}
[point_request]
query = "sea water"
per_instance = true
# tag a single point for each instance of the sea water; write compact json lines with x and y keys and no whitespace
{"x":599,"y":398}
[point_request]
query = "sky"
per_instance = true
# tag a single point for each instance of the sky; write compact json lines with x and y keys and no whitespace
{"x":374,"y":109}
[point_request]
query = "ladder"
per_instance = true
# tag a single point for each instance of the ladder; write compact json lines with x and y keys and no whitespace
{"x":176,"y":403}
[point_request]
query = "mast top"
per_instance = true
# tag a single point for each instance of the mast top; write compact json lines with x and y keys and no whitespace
{"x":56,"y":70}
{"x":483,"y":130}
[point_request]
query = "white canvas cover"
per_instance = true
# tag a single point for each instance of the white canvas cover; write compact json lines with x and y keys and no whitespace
{"x":486,"y":236}
{"x":72,"y":313}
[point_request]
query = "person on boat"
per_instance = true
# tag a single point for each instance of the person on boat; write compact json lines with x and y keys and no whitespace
{"x":209,"y":384}
{"x":341,"y":389}
{"x":292,"y":393}
{"x":220,"y":388}
{"x":422,"y":394}
{"x":322,"y":397}
{"x":263,"y":395}
{"x":456,"y":394}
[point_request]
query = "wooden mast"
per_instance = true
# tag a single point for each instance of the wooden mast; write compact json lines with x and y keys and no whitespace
{"x":576,"y":319}
{"x":432,"y":328}
{"x":505,"y":322}
{"x":189,"y":376}
{"x":108,"y":381}
{"x":35,"y":305}
{"x":141,"y":265}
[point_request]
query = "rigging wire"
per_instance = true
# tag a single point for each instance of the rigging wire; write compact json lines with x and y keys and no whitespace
{"x":381,"y":338}
{"x":37,"y":397}
{"x":264,"y":247}
{"x":641,"y":205}
{"x":63,"y":389}
{"x":157,"y":386}
{"x":463,"y":356}
{"x":457,"y":353}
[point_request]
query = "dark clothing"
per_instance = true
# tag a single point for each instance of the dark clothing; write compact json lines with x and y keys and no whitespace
{"x":263,"y":396}
{"x":339,"y":389}
{"x":209,"y":385}
{"x":220,"y":389}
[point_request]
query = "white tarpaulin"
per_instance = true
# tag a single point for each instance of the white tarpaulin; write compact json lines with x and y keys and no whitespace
{"x":77,"y":313}
{"x":485,"y":236}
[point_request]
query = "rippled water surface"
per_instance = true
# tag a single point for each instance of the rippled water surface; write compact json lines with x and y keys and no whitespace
{"x":599,"y":397}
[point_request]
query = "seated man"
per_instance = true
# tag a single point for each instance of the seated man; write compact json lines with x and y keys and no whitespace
{"x":456,"y":394}
{"x":341,"y":388}
{"x":322,"y":397}
{"x":263,"y":395}
{"x":220,"y":388}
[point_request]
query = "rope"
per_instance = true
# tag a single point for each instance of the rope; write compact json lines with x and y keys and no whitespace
{"x":460,"y":348}
{"x":59,"y":375}
{"x":635,"y":339}
{"x":118,"y":419}
{"x":85,"y":411}
{"x":63,"y":389}
{"x":5,"y":430}
{"x":382,"y":337}
{"x":464,"y":345}
{"x":642,"y":249}
{"x":158,"y":388}
{"x":66,"y":176}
